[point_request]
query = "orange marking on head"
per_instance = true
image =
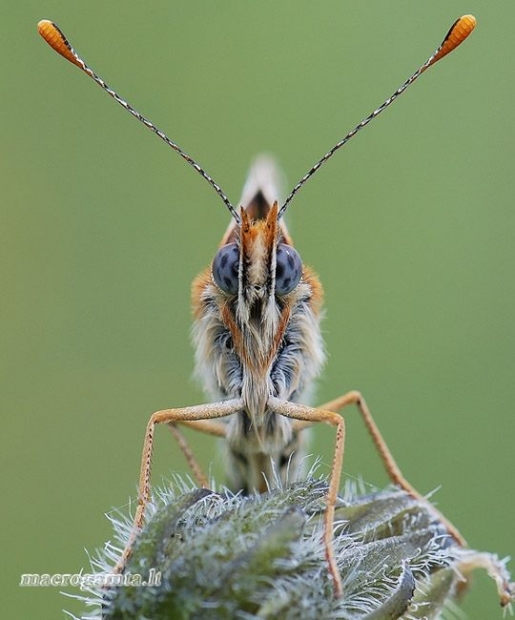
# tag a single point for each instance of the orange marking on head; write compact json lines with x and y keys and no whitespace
{"x":317,"y":291}
{"x":57,"y":41}
{"x":198,"y":287}
{"x":257,"y":240}
{"x":283,"y":324}
{"x":239,"y":345}
{"x":271,"y":226}
{"x":285,"y":235}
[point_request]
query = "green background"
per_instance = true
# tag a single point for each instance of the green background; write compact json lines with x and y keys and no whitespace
{"x":411,"y":228}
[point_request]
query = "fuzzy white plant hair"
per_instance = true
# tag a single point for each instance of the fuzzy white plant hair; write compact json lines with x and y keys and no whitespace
{"x":225,"y":555}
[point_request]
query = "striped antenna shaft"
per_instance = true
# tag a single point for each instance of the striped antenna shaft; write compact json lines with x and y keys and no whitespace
{"x":57,"y":40}
{"x":458,"y":32}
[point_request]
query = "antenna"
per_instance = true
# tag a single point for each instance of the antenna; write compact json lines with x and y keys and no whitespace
{"x":56,"y":39}
{"x":458,"y":32}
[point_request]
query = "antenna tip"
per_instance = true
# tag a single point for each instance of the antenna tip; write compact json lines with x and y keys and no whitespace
{"x":49,"y":31}
{"x":42,"y":25}
{"x":57,"y":41}
{"x":470,"y":20}
{"x":458,"y":32}
{"x":463,"y":27}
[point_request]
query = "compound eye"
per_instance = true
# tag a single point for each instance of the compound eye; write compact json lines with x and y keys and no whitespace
{"x":288,"y":270}
{"x":225,"y":268}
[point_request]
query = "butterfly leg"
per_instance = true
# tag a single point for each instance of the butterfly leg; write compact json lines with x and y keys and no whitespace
{"x":309,"y":415}
{"x":209,"y":411}
{"x":391,"y":467}
{"x":210,"y":427}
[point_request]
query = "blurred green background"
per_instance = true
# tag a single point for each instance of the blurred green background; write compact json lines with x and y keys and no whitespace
{"x":411,"y":228}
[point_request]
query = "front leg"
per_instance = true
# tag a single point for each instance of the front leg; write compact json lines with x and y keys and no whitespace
{"x":210,"y":427}
{"x":209,"y":411}
{"x":303,"y":416}
{"x":391,"y":467}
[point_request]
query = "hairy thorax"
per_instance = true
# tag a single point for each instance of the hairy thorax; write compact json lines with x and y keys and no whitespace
{"x":278,"y":351}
